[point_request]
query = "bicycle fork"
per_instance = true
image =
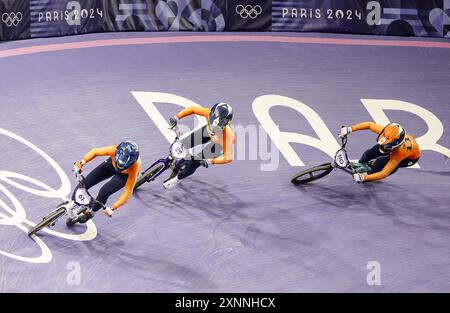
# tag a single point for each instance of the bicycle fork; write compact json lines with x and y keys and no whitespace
{"x":70,"y":209}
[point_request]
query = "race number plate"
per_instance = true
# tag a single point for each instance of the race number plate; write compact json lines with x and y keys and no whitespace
{"x":341,"y":158}
{"x":178,"y":151}
{"x":81,"y":197}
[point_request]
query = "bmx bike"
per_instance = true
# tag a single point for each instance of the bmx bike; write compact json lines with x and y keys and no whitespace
{"x":341,"y":161}
{"x":176,"y":161}
{"x":76,"y":209}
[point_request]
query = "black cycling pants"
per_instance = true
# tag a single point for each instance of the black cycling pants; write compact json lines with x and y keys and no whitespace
{"x":198,"y":137}
{"x":104,"y":171}
{"x":380,"y":160}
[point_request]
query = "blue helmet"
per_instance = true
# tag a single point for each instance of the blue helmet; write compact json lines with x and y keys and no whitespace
{"x":127,"y":154}
{"x":220,"y":116}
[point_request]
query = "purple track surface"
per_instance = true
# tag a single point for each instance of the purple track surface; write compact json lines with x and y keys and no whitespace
{"x":230,"y":228}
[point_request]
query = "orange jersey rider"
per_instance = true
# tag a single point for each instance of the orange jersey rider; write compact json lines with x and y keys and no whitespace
{"x":395,"y":149}
{"x":216,"y":136}
{"x":122,"y":165}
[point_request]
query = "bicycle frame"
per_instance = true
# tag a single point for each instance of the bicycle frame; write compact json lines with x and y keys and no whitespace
{"x":166,"y":163}
{"x":81,"y":198}
{"x":170,"y":161}
{"x":80,"y":201}
{"x":342,"y":162}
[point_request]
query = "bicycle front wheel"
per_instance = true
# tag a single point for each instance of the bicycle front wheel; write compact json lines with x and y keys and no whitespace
{"x":49,"y":219}
{"x":148,"y":175}
{"x":312,"y":174}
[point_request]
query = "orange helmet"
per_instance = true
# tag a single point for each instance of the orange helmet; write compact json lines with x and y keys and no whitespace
{"x":391,"y":137}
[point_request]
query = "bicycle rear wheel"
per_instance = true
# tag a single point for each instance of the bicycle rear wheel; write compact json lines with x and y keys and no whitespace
{"x":49,"y":219}
{"x":149,"y":174}
{"x":312,"y":174}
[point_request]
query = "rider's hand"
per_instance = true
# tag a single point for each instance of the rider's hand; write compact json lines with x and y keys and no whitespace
{"x":108,"y":211}
{"x":78,"y":166}
{"x":359,"y":177}
{"x":345,"y":130}
{"x":205,"y":163}
{"x":173,"y":121}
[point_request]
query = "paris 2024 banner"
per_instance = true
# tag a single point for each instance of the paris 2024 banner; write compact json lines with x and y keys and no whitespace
{"x":21,"y":19}
{"x":420,"y":18}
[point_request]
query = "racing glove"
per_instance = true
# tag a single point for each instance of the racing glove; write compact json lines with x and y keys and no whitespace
{"x":108,"y":211}
{"x":345,"y":130}
{"x":359,"y":177}
{"x":173,"y":121}
{"x":78,"y":166}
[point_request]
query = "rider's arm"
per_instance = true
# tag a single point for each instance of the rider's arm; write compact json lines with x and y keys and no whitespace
{"x":376,"y":128}
{"x":227,"y":148}
{"x":193,"y":110}
{"x":103,"y":151}
{"x":385,"y":172}
{"x":129,"y":186}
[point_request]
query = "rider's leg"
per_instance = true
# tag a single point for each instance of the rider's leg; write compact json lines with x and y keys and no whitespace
{"x":210,"y":150}
{"x":371,"y":154}
{"x":115,"y":184}
{"x":195,"y":138}
{"x":378,"y":164}
{"x":190,"y":169}
{"x":381,"y":162}
{"x":103,"y":171}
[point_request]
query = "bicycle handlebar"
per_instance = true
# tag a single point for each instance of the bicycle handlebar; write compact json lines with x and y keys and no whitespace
{"x":343,"y":141}
{"x":177,"y":132}
{"x":79,"y":177}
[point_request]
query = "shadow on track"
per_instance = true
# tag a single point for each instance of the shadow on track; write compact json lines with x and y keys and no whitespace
{"x":112,"y":249}
{"x":406,"y":208}
{"x":187,"y":200}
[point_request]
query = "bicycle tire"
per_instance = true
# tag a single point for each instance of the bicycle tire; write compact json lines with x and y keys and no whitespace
{"x":49,"y":219}
{"x":312,"y":174}
{"x":147,"y":176}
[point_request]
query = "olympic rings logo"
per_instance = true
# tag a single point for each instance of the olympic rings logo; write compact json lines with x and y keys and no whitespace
{"x":14,"y":213}
{"x":12,"y":19}
{"x":248,"y":11}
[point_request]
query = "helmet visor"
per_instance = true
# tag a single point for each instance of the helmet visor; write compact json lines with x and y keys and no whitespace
{"x":216,"y":124}
{"x":123,"y":158}
{"x":391,"y":137}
